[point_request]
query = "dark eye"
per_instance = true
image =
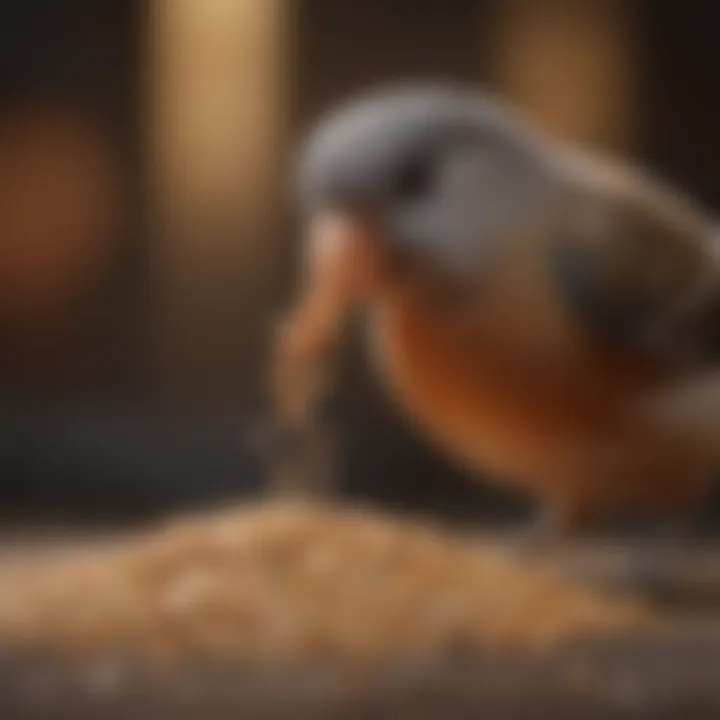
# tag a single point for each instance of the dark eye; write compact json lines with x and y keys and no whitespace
{"x":414,"y":181}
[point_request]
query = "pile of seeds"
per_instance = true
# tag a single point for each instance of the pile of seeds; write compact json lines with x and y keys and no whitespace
{"x":286,"y":583}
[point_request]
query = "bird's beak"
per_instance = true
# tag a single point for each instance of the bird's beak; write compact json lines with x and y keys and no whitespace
{"x":345,"y":253}
{"x":342,"y":268}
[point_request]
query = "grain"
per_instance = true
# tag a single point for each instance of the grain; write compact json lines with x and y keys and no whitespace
{"x":284,"y":583}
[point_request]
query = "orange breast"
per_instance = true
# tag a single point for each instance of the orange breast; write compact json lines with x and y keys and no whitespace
{"x":491,"y":401}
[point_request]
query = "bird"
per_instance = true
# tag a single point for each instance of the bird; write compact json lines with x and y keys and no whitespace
{"x":547,"y":315}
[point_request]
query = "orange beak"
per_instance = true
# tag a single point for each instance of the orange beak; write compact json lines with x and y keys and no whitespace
{"x":344,"y":266}
{"x":344,"y":253}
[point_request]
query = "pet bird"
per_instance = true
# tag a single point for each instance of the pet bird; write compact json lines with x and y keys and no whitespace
{"x":548,"y":317}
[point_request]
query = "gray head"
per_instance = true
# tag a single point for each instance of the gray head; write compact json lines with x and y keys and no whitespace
{"x":442,"y":170}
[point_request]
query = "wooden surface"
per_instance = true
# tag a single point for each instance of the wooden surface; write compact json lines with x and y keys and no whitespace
{"x":672,"y":676}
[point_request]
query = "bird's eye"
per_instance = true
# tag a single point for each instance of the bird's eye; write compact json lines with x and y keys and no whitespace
{"x":413,"y":181}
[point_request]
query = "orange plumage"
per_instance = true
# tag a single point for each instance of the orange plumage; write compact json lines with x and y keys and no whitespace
{"x":544,"y":315}
{"x":511,"y":386}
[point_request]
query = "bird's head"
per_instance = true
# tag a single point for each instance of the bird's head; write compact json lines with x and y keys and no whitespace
{"x":434,"y":174}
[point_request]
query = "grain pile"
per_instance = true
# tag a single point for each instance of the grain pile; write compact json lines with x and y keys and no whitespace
{"x":285,"y":583}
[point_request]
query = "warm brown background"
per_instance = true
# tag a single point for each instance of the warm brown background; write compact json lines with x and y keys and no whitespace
{"x":171,"y":123}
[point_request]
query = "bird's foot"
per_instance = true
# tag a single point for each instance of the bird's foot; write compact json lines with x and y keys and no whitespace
{"x":547,"y":535}
{"x":668,"y":569}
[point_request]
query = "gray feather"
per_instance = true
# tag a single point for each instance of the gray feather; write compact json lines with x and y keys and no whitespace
{"x":444,"y":170}
{"x":642,"y":272}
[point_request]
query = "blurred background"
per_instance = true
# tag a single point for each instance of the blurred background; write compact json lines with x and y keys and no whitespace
{"x":147,"y":242}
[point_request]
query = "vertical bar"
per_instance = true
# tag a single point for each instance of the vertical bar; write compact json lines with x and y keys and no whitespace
{"x":571,"y":65}
{"x":217,"y":122}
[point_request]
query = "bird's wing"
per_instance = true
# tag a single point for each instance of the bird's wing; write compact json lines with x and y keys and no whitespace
{"x":639,"y":268}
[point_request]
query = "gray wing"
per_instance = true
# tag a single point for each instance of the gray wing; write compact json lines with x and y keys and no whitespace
{"x":640,"y":269}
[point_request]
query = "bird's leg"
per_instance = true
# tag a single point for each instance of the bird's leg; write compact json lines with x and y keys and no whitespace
{"x":668,"y":568}
{"x":669,"y":564}
{"x":558,"y":522}
{"x":551,"y":539}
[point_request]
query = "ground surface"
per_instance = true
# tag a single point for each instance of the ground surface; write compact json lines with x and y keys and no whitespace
{"x":670,"y":672}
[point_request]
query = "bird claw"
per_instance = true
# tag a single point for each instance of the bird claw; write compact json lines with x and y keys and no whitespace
{"x":544,"y":536}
